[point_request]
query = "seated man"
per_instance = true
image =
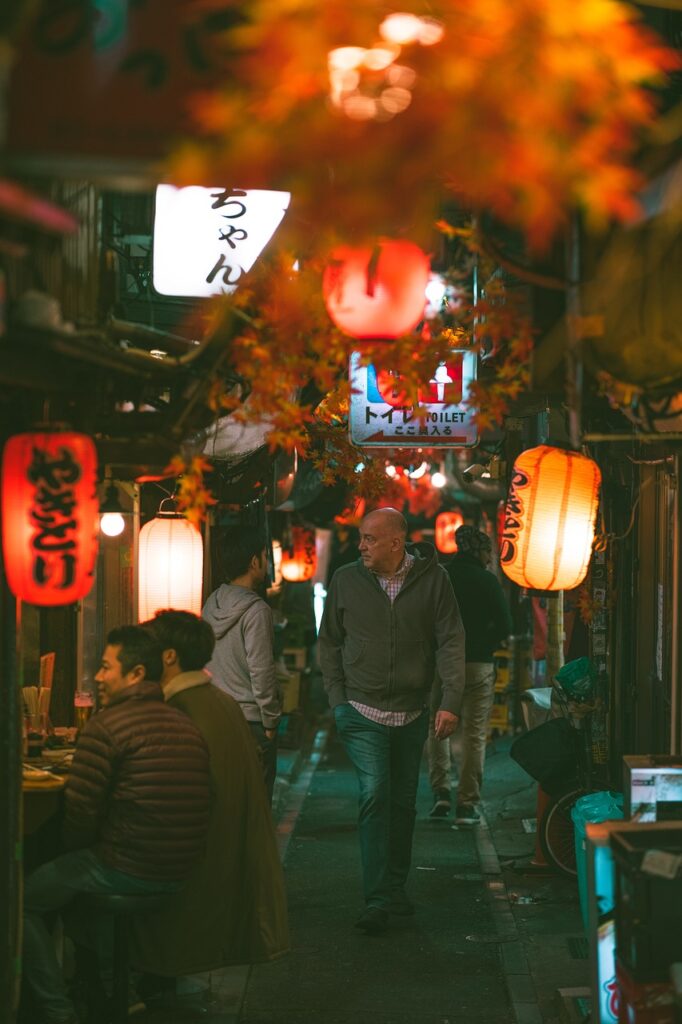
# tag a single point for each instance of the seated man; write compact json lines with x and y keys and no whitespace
{"x":137,"y":806}
{"x":232,"y":909}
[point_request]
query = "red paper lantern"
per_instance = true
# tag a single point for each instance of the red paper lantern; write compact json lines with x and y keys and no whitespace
{"x":549,"y":519}
{"x":50,"y":514}
{"x":352,"y":514}
{"x":299,"y":559}
{"x":447,"y":523}
{"x":376,"y":292}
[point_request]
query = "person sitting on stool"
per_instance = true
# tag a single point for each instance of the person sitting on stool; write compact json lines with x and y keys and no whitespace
{"x":136,"y":807}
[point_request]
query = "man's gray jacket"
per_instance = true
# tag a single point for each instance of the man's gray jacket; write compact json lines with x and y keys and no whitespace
{"x":386,"y":655}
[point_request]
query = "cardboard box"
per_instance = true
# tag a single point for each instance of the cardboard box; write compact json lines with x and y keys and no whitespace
{"x":291,"y":691}
{"x":295,"y":657}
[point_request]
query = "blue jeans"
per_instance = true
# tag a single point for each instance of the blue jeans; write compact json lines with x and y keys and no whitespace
{"x":52,"y":887}
{"x":386,"y":760}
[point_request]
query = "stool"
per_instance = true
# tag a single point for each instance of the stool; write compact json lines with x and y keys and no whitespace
{"x":120,"y":908}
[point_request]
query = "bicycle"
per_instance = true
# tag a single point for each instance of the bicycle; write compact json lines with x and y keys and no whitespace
{"x":556,"y":830}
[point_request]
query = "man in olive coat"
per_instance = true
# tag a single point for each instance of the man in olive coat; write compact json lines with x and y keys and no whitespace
{"x":232,"y":909}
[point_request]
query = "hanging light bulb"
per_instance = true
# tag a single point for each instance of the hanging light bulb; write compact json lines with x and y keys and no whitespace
{"x":438,"y":479}
{"x":111,"y":522}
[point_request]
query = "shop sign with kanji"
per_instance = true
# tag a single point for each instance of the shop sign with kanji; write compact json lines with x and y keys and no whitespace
{"x":378,"y":417}
{"x":206,"y":238}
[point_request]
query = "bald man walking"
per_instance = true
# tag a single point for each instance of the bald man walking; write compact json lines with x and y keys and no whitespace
{"x":390,"y":622}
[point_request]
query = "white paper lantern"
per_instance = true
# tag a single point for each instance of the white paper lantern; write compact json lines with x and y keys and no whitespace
{"x":170,"y":565}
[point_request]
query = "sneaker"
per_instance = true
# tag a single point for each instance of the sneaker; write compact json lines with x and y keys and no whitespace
{"x":441,"y":806}
{"x":466,"y":814}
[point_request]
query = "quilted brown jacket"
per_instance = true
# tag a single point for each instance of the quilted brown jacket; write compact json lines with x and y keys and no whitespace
{"x":138,"y":789}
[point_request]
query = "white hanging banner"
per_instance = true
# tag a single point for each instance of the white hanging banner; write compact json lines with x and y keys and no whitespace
{"x":379,"y":418}
{"x":206,"y":238}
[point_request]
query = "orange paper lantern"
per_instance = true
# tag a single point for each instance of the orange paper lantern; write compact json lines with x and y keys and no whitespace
{"x":170,"y":565}
{"x":549,"y":519}
{"x":50,"y":514}
{"x":447,"y":523}
{"x":376,"y":292}
{"x":299,"y":559}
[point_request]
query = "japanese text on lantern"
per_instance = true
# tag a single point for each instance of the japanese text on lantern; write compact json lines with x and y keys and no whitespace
{"x":53,"y":544}
{"x":49,"y":516}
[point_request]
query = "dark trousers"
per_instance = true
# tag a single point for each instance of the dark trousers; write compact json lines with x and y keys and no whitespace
{"x":52,"y":887}
{"x":386,"y":760}
{"x":267,"y":751}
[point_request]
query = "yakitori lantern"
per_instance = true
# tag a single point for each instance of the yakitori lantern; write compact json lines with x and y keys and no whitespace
{"x":299,"y":558}
{"x":50,"y":515}
{"x":447,"y":524}
{"x":170,"y":564}
{"x":549,"y":519}
{"x":377,"y":292}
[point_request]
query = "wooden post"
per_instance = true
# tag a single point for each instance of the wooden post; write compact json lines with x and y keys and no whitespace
{"x":555,"y":634}
{"x":10,"y":807}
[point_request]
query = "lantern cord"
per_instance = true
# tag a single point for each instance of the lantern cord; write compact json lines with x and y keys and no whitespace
{"x":622,"y":536}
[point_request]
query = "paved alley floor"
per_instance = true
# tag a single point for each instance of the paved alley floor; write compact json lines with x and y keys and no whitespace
{"x":491,"y":943}
{"x":440,"y":967}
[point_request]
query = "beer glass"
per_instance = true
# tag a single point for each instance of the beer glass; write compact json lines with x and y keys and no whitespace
{"x":83,"y":704}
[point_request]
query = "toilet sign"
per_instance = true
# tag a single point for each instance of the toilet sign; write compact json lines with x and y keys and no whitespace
{"x":379,"y":416}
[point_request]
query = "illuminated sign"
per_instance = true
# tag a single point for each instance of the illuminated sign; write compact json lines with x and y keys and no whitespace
{"x":378,"y":416}
{"x":206,"y":238}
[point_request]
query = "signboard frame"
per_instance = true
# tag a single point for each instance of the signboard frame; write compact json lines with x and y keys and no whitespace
{"x":374,"y":423}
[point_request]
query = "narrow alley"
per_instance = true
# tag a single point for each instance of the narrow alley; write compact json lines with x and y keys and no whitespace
{"x":489,"y":944}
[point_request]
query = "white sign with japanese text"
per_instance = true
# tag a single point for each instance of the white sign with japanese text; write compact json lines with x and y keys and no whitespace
{"x":206,"y":238}
{"x":379,"y":418}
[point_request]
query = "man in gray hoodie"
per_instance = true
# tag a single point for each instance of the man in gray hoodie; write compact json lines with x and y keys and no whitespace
{"x":243,"y":662}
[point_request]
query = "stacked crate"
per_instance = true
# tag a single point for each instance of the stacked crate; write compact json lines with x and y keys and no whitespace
{"x":499,"y":723}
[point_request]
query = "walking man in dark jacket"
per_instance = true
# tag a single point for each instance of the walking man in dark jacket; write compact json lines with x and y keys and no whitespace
{"x":487,"y":623}
{"x":243,"y":662}
{"x":137,"y":806}
{"x":390,"y":620}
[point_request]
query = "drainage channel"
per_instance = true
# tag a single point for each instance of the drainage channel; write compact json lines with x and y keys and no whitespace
{"x":515,"y":968}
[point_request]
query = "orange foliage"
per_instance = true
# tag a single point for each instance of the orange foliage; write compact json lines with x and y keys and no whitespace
{"x":527,"y":109}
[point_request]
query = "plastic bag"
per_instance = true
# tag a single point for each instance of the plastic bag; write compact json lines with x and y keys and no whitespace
{"x":549,"y":753}
{"x":576,"y":679}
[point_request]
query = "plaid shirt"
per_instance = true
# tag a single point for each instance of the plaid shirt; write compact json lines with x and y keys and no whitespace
{"x":391,"y":585}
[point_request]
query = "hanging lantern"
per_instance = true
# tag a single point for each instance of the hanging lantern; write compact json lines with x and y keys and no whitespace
{"x":376,"y":292}
{"x":352,"y":513}
{"x":170,"y":564}
{"x":549,"y":519}
{"x":299,"y":559}
{"x":50,"y":515}
{"x":447,"y":524}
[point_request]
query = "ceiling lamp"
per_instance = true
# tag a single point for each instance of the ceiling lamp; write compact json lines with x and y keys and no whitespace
{"x":111,"y":522}
{"x":170,"y":564}
{"x":549,"y":519}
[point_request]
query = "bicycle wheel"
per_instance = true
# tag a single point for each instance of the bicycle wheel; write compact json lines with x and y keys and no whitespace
{"x":557,"y":833}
